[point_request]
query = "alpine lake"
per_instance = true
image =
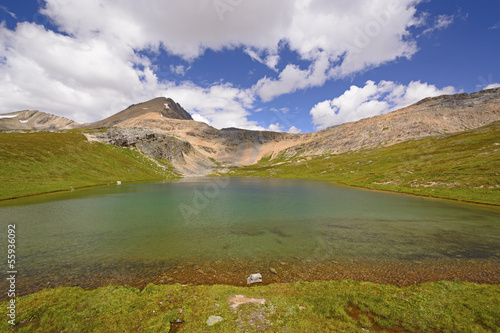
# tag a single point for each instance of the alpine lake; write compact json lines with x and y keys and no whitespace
{"x":221,"y":230}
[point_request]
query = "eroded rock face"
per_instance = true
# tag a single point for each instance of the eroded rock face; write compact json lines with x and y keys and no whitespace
{"x":151,"y":142}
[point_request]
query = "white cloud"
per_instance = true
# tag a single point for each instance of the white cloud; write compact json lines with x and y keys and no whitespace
{"x":275,"y":127}
{"x":270,"y":60}
{"x":341,"y":39}
{"x":338,"y":39}
{"x":179,"y":69}
{"x":495,"y":26}
{"x":371,"y":100}
{"x":199,"y":117}
{"x":80,"y":79}
{"x":492,"y":85}
{"x":440,"y":22}
{"x":294,"y":130}
{"x":95,"y":68}
{"x":220,"y":106}
{"x":292,"y":78}
{"x":11,"y":14}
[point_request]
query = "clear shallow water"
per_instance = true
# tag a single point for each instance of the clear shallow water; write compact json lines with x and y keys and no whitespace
{"x":241,"y":219}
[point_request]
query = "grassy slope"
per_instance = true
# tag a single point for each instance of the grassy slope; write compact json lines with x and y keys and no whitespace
{"x":463,"y":166}
{"x":339,"y":306}
{"x":40,"y":162}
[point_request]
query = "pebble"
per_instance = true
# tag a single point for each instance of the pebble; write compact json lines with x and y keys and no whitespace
{"x":273,"y":270}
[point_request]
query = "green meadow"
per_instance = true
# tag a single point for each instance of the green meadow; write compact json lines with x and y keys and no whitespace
{"x":41,"y":162}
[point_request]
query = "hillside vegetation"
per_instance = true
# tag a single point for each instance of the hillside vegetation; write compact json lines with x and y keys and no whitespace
{"x":40,"y":162}
{"x":463,"y":166}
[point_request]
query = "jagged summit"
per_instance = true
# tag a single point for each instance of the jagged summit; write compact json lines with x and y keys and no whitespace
{"x":160,"y":107}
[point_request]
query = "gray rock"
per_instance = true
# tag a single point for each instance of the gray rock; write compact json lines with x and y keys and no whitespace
{"x":254,"y":278}
{"x":151,"y":142}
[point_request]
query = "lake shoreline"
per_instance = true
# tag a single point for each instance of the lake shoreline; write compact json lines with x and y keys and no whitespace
{"x":400,"y":273}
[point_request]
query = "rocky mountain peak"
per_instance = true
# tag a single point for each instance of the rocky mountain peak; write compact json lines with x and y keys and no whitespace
{"x":157,"y":108}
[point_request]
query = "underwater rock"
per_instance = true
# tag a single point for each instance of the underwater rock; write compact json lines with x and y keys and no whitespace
{"x":254,"y":278}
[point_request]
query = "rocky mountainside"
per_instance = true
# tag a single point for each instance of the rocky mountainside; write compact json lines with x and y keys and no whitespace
{"x":34,"y":120}
{"x":228,"y":146}
{"x":161,"y":128}
{"x":429,"y":117}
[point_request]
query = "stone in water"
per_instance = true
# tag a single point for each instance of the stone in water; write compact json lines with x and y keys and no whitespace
{"x":254,"y":278}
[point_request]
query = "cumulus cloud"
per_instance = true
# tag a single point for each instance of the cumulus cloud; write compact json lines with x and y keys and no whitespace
{"x":220,"y":105}
{"x":94,"y":65}
{"x":276,"y":127}
{"x":294,"y":130}
{"x":80,"y":79}
{"x":371,"y":100}
{"x":337,"y":39}
{"x":341,"y":39}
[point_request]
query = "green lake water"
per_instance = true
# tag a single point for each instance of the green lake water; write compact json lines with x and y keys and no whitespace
{"x":240,"y":219}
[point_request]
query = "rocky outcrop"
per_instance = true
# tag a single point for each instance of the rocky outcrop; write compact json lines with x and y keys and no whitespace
{"x":156,"y":144}
{"x":153,"y":143}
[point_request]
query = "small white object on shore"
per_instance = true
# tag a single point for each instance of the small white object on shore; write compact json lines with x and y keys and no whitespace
{"x":118,"y":182}
{"x":254,"y":278}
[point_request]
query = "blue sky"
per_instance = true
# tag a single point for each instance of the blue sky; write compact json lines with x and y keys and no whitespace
{"x":282,"y":65}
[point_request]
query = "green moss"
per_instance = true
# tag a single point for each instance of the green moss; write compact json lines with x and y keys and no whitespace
{"x":299,"y":307}
{"x":40,"y":162}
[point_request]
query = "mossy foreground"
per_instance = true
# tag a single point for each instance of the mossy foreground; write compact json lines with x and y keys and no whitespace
{"x":334,"y":306}
{"x":42,"y":162}
{"x":463,"y":166}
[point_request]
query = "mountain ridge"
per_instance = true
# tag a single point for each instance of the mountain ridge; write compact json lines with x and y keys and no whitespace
{"x":237,"y":147}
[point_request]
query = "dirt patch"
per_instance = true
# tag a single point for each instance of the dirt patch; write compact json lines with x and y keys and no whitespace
{"x":237,"y":300}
